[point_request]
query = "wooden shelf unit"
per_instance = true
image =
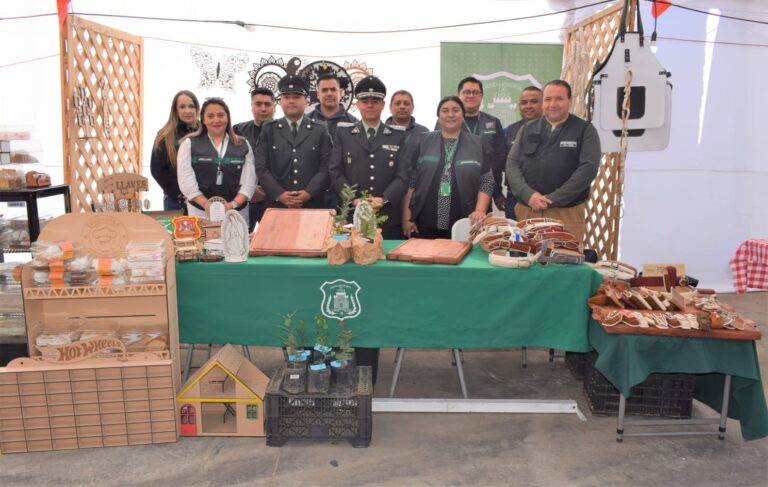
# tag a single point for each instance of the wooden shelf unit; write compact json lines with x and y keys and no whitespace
{"x":96,"y":402}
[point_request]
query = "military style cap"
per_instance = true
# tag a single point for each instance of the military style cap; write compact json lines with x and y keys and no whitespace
{"x":370,"y":87}
{"x":291,"y":83}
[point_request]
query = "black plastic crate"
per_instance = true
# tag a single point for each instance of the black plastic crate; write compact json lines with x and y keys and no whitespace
{"x":333,"y":416}
{"x":577,"y":363}
{"x":660,"y":395}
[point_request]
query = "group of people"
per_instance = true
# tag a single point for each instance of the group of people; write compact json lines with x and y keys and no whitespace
{"x":424,"y":181}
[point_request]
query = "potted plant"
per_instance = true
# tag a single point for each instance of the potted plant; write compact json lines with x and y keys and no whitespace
{"x":366,"y":243}
{"x":339,"y":245}
{"x":319,"y":381}
{"x":343,"y":366}
{"x":295,"y":377}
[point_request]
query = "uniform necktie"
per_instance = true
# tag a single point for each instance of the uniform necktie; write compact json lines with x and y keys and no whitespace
{"x":371,"y":134}
{"x":294,"y":129}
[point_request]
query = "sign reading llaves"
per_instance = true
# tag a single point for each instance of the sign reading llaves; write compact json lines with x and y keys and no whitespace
{"x":80,"y":350}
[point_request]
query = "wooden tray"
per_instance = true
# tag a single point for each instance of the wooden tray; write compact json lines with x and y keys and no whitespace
{"x":751,"y":333}
{"x":425,"y":251}
{"x":286,"y":231}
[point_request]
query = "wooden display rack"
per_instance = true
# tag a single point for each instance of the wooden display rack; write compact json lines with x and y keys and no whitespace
{"x":112,"y":401}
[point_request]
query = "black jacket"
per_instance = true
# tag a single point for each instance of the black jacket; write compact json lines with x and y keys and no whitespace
{"x":161,"y":168}
{"x":285,"y":164}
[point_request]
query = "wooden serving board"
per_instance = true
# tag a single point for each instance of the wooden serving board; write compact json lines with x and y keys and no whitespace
{"x":421,"y":250}
{"x":750,"y":333}
{"x":287,"y":231}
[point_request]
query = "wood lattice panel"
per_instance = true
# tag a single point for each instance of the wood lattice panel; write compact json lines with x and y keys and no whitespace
{"x":101,"y":93}
{"x":587,"y":44}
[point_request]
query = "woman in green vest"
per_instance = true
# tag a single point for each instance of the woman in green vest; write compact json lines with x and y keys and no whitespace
{"x":452,"y":177}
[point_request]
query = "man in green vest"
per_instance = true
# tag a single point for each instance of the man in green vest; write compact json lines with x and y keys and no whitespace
{"x":553,"y":162}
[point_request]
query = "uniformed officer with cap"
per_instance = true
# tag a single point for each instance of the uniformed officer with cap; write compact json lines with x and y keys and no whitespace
{"x":292,"y":155}
{"x":367,"y":153}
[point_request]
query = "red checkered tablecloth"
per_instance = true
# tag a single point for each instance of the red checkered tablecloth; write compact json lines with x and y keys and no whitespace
{"x":749,"y":265}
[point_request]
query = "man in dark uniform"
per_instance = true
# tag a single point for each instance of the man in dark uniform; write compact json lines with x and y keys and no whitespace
{"x":263,"y":109}
{"x":529,"y":106}
{"x":367,"y":153}
{"x":553,"y":162}
{"x":291,"y":157}
{"x":330,"y":110}
{"x":477,"y":122}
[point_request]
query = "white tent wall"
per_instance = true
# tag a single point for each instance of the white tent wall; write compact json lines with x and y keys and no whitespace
{"x":692,"y":203}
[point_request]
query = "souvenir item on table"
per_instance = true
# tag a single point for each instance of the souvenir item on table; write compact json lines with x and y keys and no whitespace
{"x":647,"y":311}
{"x":614,"y":269}
{"x":491,"y":227}
{"x":215,"y":209}
{"x":187,"y":249}
{"x":234,"y":236}
{"x":186,"y":227}
{"x":428,"y":251}
{"x":145,"y":261}
{"x":550,"y":251}
{"x":287,"y":231}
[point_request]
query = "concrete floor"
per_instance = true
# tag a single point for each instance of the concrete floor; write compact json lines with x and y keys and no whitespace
{"x":436,"y":449}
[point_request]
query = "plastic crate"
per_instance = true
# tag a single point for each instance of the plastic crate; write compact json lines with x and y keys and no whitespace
{"x":660,"y":395}
{"x":333,"y":416}
{"x":577,"y":363}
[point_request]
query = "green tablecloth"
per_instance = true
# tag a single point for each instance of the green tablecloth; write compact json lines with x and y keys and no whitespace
{"x":471,"y":305}
{"x":626,"y":360}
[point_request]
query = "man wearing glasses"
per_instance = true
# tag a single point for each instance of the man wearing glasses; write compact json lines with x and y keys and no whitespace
{"x":477,"y":122}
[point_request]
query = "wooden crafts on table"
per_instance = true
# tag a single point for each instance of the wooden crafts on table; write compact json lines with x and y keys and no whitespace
{"x":287,"y":231}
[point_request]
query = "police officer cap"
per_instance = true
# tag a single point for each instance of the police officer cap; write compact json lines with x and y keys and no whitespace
{"x":370,"y":87}
{"x":290,"y":83}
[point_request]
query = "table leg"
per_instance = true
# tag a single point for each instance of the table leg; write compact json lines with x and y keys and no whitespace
{"x":67,"y":202}
{"x":399,"y":355}
{"x":33,"y":219}
{"x":460,"y":371}
{"x":620,"y":424}
{"x":724,"y":409}
{"x":525,"y":357}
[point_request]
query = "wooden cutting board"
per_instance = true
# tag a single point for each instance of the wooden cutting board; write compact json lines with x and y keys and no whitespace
{"x":288,"y":231}
{"x":749,"y":333}
{"x":425,"y":251}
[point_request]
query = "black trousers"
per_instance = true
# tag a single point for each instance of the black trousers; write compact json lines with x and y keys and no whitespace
{"x":368,"y":356}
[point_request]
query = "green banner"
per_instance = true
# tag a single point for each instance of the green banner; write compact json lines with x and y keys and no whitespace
{"x":504,"y":69}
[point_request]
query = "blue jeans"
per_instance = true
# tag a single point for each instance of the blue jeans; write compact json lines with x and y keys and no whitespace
{"x":172,"y":204}
{"x":509,"y":209}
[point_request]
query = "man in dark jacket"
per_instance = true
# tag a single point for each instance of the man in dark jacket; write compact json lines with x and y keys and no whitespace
{"x":529,"y":106}
{"x":263,"y":109}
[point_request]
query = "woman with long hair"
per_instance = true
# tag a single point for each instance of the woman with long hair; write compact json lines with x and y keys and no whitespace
{"x":182,"y":120}
{"x":451,"y":179}
{"x":214,"y":161}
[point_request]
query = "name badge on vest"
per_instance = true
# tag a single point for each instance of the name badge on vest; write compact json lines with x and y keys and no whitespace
{"x":568,"y":143}
{"x":219,"y":177}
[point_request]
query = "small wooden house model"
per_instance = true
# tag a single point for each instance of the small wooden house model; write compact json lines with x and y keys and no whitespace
{"x":225,"y":397}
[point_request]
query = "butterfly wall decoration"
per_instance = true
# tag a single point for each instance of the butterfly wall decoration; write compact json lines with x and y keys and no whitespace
{"x":221,"y":70}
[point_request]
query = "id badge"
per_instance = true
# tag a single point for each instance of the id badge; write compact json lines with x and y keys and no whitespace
{"x":219,"y":177}
{"x":445,"y":189}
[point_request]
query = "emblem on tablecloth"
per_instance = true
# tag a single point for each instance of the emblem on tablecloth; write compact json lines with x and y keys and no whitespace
{"x":340,"y":300}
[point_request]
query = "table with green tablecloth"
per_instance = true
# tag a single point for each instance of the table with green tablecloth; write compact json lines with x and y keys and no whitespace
{"x":626,"y":360}
{"x":401,"y":304}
